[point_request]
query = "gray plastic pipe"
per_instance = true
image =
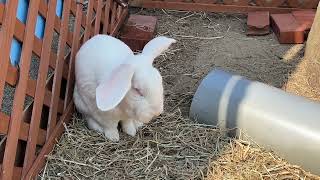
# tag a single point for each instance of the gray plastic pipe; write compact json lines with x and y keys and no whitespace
{"x":275,"y":119}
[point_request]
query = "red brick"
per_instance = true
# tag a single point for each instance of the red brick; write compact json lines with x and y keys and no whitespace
{"x":287,"y":29}
{"x":305,"y":17}
{"x":138,"y":31}
{"x":258,"y":23}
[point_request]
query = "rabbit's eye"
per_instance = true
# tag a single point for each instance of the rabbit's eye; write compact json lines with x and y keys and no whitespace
{"x":138,"y":91}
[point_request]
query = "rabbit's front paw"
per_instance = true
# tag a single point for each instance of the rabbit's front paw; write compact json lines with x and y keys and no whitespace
{"x":93,"y":125}
{"x":128,"y":126}
{"x":138,"y":124}
{"x":112,"y":134}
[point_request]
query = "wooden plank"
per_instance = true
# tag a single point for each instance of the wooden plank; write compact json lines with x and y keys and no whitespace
{"x":73,"y":10}
{"x":6,"y":35}
{"x":39,"y":162}
{"x":59,"y":68}
{"x":40,"y":90}
{"x":31,"y":91}
{"x":16,"y":172}
{"x":106,"y":17}
{"x":20,"y":30}
{"x":19,"y":34}
{"x":98,"y":18}
{"x":74,"y":50}
{"x":19,"y":98}
{"x":47,"y":148}
{"x":89,"y":15}
{"x":1,"y":11}
{"x":23,"y":135}
{"x":119,"y":22}
{"x":207,"y":7}
{"x":12,"y":75}
{"x":119,"y":12}
{"x":52,"y":61}
{"x":113,"y":16}
{"x":57,"y":23}
{"x":31,"y":88}
{"x":95,"y":7}
{"x":43,"y":11}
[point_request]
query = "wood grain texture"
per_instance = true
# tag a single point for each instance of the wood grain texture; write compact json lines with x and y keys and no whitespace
{"x":27,"y":124}
{"x":6,"y":35}
{"x":20,"y":92}
{"x":89,"y":18}
{"x":40,"y":90}
{"x":41,"y":159}
{"x":59,"y":67}
{"x":106,"y":18}
{"x":74,"y":50}
{"x":207,"y":7}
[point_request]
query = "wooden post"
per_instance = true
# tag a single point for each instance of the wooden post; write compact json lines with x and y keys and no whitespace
{"x":41,"y":123}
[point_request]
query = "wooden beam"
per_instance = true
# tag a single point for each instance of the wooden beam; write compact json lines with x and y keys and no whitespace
{"x":207,"y":7}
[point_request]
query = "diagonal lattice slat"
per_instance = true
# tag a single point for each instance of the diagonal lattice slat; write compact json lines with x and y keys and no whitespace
{"x":29,"y":133}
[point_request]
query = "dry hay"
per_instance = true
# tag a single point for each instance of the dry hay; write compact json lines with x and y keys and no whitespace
{"x":170,"y":149}
{"x":172,"y":146}
{"x":242,"y":160}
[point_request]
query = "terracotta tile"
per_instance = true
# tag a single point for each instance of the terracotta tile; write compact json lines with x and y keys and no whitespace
{"x":258,"y":23}
{"x":305,"y":17}
{"x":138,"y":31}
{"x":287,"y":28}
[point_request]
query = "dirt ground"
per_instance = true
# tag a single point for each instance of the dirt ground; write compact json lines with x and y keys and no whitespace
{"x":172,"y":146}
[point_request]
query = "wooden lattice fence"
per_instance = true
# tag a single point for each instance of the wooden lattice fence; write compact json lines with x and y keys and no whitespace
{"x":35,"y":105}
{"x":240,"y":6}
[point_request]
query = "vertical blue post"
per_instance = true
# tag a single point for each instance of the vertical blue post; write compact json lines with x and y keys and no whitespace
{"x":59,"y":8}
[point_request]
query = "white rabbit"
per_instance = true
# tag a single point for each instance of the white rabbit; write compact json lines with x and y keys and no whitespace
{"x":114,"y":85}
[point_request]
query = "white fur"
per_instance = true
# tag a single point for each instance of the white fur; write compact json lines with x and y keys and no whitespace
{"x":108,"y":75}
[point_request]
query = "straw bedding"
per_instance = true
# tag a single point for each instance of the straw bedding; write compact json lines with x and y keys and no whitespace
{"x":173,"y":146}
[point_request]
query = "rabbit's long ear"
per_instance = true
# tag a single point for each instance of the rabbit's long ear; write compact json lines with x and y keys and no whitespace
{"x":111,"y":91}
{"x":157,"y":45}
